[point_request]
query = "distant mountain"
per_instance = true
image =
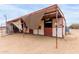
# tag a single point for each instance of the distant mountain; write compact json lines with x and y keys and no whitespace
{"x":74,"y":26}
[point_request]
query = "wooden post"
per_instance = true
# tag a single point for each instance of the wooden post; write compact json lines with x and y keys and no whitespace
{"x":23,"y":27}
{"x":56,"y":35}
{"x":62,"y":29}
{"x":56,"y":24}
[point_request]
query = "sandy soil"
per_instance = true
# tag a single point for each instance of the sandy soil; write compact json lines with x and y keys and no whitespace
{"x":27,"y":43}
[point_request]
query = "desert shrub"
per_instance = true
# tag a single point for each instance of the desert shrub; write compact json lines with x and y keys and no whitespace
{"x":74,"y":26}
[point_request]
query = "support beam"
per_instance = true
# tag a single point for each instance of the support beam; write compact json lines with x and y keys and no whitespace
{"x":5,"y":16}
{"x":56,"y":29}
{"x":62,"y":29}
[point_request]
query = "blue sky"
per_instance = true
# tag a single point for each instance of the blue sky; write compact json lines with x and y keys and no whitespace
{"x":71,"y":11}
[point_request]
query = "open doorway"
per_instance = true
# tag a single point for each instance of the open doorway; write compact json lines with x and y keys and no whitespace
{"x":15,"y":29}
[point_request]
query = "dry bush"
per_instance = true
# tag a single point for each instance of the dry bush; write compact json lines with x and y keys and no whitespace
{"x":74,"y":26}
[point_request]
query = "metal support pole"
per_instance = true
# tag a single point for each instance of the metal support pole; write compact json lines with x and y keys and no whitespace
{"x":56,"y":38}
{"x":57,"y":30}
{"x":62,"y":29}
{"x":22,"y":27}
{"x":38,"y":31}
{"x":5,"y":16}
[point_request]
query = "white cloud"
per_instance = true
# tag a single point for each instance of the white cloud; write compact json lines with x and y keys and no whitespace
{"x":71,"y":13}
{"x":11,"y":12}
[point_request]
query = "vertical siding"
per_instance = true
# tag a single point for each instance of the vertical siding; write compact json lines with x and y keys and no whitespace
{"x":27,"y":31}
{"x":9,"y":28}
{"x":54,"y":32}
{"x":35,"y":31}
{"x":59,"y":31}
{"x":41,"y":31}
{"x":64,"y":27}
{"x":53,"y":27}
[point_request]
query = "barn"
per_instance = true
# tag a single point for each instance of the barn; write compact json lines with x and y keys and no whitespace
{"x":47,"y":21}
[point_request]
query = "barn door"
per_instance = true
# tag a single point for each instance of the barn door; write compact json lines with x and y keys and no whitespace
{"x":48,"y":27}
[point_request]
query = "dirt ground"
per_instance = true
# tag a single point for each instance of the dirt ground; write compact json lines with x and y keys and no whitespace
{"x":27,"y":43}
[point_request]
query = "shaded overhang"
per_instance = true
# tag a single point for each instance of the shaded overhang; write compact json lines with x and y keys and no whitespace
{"x":52,"y":15}
{"x":17,"y":24}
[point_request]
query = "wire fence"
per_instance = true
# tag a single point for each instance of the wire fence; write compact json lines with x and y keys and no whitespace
{"x":3,"y":30}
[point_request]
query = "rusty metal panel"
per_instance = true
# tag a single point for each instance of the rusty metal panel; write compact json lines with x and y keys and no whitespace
{"x":48,"y":31}
{"x":36,"y":19}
